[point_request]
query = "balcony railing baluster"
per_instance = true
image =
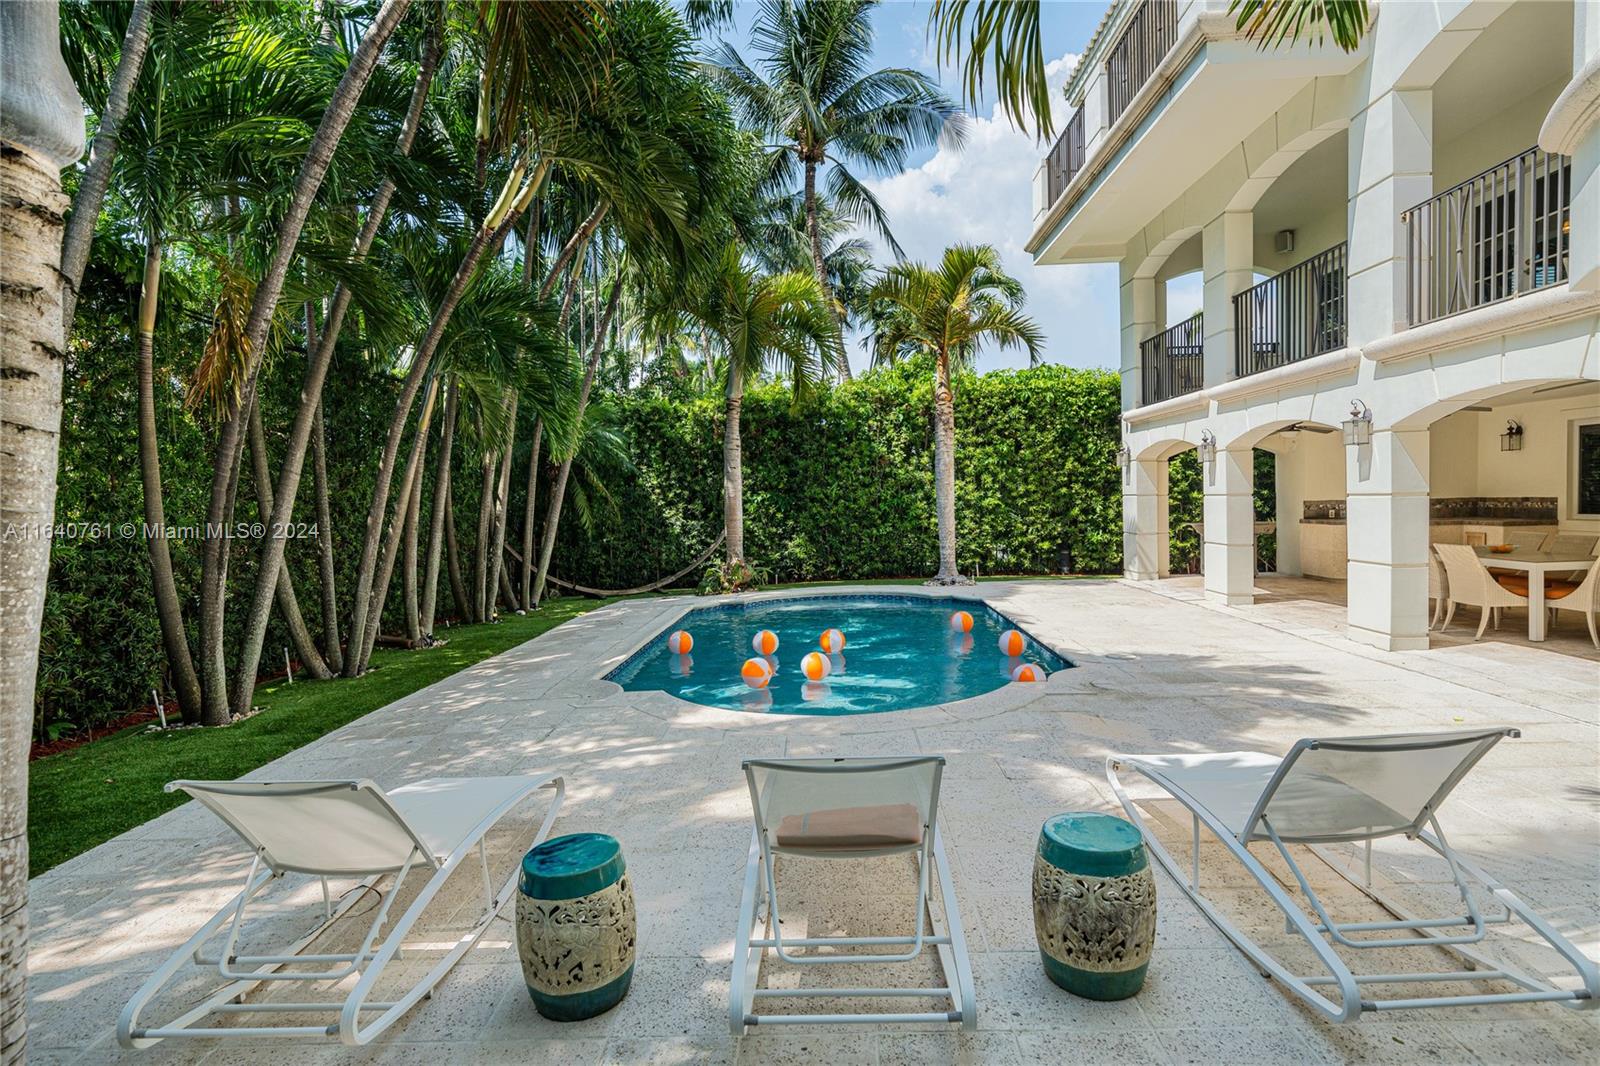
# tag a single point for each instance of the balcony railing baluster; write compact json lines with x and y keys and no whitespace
{"x":1292,"y":315}
{"x":1145,"y":42}
{"x":1170,"y":363}
{"x":1066,"y":157}
{"x":1496,"y":235}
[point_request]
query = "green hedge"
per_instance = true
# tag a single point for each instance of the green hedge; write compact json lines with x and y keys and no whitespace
{"x":841,"y":485}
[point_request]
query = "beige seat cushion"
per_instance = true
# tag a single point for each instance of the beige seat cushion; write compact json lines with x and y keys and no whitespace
{"x":852,"y":828}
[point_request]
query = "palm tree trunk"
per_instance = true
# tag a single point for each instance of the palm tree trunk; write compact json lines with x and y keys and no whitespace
{"x":308,"y":416}
{"x":42,"y":132}
{"x":486,"y":241}
{"x":558,"y":491}
{"x":944,"y":471}
{"x":97,"y":176}
{"x":441,"y":503}
{"x":458,"y":588}
{"x":733,"y":466}
{"x":169,"y":608}
{"x":818,"y":261}
{"x":502,"y":503}
{"x":579,"y":238}
{"x":408,"y":564}
{"x":213,"y":583}
{"x":528,"y":512}
{"x":326,"y":570}
{"x":391,"y":547}
{"x":482,"y":609}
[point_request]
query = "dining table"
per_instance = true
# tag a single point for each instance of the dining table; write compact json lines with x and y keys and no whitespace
{"x":1538,"y":566}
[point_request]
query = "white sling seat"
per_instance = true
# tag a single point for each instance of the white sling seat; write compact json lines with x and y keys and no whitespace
{"x":337,"y":829}
{"x":847,"y":809}
{"x":1350,"y":790}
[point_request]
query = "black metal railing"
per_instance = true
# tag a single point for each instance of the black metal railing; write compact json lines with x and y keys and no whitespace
{"x":1494,"y":236}
{"x":1292,"y":315}
{"x":1170,"y":362}
{"x":1065,"y":159}
{"x":1149,"y":36}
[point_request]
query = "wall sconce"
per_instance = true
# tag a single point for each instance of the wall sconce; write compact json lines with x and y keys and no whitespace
{"x":1358,"y":427}
{"x":1511,"y":439}
{"x":1208,"y":446}
{"x":1124,"y":456}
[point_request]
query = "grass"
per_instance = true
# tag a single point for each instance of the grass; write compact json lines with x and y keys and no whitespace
{"x":88,"y":795}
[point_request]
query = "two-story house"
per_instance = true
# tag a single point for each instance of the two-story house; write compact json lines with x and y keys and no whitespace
{"x":1399,"y":255}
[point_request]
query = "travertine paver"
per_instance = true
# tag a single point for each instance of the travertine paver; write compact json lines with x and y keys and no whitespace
{"x":1158,"y":671}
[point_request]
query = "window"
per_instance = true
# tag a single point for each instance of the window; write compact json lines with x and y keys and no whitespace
{"x":1586,"y":468}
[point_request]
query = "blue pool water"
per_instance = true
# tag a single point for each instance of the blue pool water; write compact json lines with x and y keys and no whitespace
{"x":899,"y":652}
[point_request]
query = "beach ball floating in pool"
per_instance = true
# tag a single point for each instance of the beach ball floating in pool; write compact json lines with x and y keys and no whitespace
{"x":961,"y":622}
{"x":815,"y":666}
{"x":756,"y":673}
{"x":1012,"y":644}
{"x":680,"y":642}
{"x":765,"y":642}
{"x":832,"y":641}
{"x":1028,"y":672}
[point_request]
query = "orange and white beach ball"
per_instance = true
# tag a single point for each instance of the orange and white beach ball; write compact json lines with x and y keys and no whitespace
{"x":680,"y":642}
{"x":756,"y":673}
{"x":961,"y":622}
{"x":832,"y":641}
{"x":815,"y":666}
{"x":1028,"y":672}
{"x":1012,"y":644}
{"x":765,"y":642}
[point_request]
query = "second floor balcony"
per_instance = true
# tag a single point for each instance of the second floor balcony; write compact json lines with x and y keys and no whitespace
{"x":1171,"y":363}
{"x":1290,"y":316}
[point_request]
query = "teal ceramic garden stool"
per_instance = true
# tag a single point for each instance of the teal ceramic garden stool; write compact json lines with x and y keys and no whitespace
{"x":575,"y":926}
{"x":1094,"y":905}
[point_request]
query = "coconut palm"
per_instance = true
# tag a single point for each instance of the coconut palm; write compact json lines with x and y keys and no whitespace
{"x":947,"y":312}
{"x":763,"y":323}
{"x":1001,"y":38}
{"x":817,"y":98}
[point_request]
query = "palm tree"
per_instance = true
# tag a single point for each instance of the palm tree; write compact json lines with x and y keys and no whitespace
{"x":1002,"y":38}
{"x":819,"y":100}
{"x":947,"y":312}
{"x":763,"y":323}
{"x":42,"y":132}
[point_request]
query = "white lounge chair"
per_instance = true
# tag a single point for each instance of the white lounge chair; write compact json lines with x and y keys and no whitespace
{"x":1355,"y":790}
{"x":341,"y":829}
{"x":847,"y":809}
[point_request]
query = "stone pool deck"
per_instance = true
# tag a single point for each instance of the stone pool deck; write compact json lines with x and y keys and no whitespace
{"x":1154,"y":674}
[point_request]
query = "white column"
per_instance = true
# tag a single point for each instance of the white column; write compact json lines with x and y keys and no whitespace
{"x":1583,"y":261}
{"x":1391,"y":169}
{"x":1288,"y":471}
{"x":1386,"y":484}
{"x":1139,"y":321}
{"x":1227,"y":255}
{"x":1146,"y":545}
{"x":1229,"y":511}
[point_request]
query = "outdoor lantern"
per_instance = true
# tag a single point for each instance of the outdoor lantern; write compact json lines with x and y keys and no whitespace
{"x":1208,"y":446}
{"x":1124,"y":456}
{"x":1358,"y":427}
{"x":1511,"y":439}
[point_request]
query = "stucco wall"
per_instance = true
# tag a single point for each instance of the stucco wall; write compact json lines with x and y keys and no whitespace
{"x":1514,"y":129}
{"x":1542,"y":467}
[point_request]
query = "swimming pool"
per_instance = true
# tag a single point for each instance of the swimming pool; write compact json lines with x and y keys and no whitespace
{"x":899,"y":652}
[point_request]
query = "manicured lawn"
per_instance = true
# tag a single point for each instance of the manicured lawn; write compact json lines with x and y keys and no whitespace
{"x":88,"y":795}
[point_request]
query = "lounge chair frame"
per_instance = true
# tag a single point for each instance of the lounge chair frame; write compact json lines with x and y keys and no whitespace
{"x":760,"y":929}
{"x":246,"y":973}
{"x":1321,"y":932}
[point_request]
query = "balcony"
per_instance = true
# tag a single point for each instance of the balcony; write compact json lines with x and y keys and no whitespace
{"x":1145,"y":42}
{"x":1066,"y":158}
{"x":1170,"y":362}
{"x":1498,"y":235}
{"x":1291,"y":316}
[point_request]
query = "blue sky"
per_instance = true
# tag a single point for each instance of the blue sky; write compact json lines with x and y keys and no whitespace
{"x":983,"y":193}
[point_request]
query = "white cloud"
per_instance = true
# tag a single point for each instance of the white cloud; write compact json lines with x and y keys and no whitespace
{"x":983,"y":194}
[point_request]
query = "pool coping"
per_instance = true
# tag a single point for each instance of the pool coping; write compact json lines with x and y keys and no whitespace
{"x":992,"y":701}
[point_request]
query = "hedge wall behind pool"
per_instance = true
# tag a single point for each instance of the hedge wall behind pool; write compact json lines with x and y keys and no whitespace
{"x":841,"y":486}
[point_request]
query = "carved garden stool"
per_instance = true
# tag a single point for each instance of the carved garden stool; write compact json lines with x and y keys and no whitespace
{"x":575,"y":926}
{"x":1094,"y":905}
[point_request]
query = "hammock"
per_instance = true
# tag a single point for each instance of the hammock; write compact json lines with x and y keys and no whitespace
{"x":654,"y":586}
